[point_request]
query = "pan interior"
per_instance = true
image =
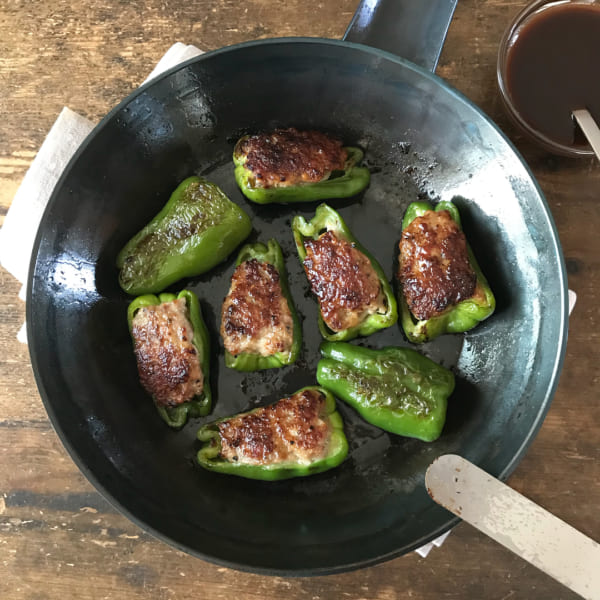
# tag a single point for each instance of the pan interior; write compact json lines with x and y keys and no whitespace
{"x":421,"y":140}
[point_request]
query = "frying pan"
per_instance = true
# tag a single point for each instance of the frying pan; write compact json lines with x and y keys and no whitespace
{"x":422,"y":139}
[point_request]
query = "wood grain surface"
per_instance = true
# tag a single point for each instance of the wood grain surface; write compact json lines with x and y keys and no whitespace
{"x":58,"y":537}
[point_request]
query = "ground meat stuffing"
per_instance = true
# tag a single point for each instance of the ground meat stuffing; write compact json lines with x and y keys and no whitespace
{"x":434,"y":271}
{"x":344,"y":281}
{"x":289,"y":157}
{"x":293,"y":430}
{"x":168,"y":362}
{"x":255,"y":317}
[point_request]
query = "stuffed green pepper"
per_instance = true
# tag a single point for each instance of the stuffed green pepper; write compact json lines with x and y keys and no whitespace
{"x":171,"y":346}
{"x":355,"y":297}
{"x":287,"y":165}
{"x":300,"y":435}
{"x":259,"y":324}
{"x":441,"y":287}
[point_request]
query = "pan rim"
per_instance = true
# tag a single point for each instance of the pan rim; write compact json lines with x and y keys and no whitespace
{"x":100,"y":487}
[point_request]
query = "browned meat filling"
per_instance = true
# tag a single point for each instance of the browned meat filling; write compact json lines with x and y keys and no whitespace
{"x":168,"y":362}
{"x":255,"y":317}
{"x":343,"y":280}
{"x":295,"y":429}
{"x":435,"y":273}
{"x":289,"y":157}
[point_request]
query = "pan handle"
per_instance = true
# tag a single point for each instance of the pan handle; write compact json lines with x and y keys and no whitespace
{"x":412,"y":29}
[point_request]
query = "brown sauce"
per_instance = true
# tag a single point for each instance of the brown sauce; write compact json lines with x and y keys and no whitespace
{"x":553,"y":68}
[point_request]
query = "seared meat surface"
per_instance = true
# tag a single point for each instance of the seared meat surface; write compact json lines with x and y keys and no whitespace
{"x":343,"y":280}
{"x":293,"y":430}
{"x":168,"y":362}
{"x":289,"y":157}
{"x":434,"y":272}
{"x":255,"y":317}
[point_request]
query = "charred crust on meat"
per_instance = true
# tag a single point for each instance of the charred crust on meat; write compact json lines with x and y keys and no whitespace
{"x":287,"y":157}
{"x":344,"y":281}
{"x":434,"y":268}
{"x":168,"y":363}
{"x":291,"y":428}
{"x":255,"y":317}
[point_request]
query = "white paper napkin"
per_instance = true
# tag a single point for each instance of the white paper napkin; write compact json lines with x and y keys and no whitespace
{"x":427,"y":548}
{"x":24,"y":215}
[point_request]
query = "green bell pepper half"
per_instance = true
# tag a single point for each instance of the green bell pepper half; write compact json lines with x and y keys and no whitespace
{"x":462,"y":316}
{"x":327,"y":219}
{"x":196,"y":229}
{"x":209,"y":454}
{"x":396,"y":389}
{"x":340,"y":184}
{"x":271,"y":253}
{"x":200,"y":406}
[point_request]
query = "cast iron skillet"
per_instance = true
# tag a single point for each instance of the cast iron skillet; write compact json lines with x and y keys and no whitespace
{"x":422,"y":139}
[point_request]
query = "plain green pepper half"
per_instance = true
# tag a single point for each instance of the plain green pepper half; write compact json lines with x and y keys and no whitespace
{"x":199,"y":406}
{"x":339,"y":184}
{"x":271,"y":253}
{"x":196,"y":229}
{"x":462,"y":316}
{"x":209,"y":455}
{"x":396,"y":389}
{"x":327,"y":219}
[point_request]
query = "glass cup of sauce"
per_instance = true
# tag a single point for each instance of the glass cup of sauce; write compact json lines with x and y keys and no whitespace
{"x":548,"y":66}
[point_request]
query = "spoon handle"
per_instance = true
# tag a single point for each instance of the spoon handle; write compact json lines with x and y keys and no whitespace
{"x":517,"y":523}
{"x":590,"y":129}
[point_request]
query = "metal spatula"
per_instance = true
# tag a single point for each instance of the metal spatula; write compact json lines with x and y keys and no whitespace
{"x":517,"y":523}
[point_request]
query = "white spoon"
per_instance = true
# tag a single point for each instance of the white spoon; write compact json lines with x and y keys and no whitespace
{"x":517,"y":523}
{"x":590,"y":129}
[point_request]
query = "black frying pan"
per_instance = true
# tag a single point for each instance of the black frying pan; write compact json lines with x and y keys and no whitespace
{"x":422,"y":139}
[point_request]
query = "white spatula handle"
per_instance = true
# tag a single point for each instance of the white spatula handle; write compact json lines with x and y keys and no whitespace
{"x":517,"y":523}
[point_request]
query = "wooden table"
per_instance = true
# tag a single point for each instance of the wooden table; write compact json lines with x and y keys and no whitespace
{"x":58,"y":537}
